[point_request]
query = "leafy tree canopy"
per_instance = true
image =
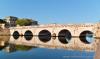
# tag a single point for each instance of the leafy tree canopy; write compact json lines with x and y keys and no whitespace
{"x":25,"y":22}
{"x":2,"y":21}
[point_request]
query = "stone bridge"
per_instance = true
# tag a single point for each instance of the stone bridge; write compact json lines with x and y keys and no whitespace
{"x":68,"y":36}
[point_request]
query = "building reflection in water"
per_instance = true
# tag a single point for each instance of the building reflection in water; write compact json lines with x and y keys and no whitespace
{"x":4,"y":41}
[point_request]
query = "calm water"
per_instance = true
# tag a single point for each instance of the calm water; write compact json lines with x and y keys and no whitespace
{"x":44,"y":53}
{"x":41,"y":53}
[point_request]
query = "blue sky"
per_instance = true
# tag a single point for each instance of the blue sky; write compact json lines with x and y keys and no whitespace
{"x":53,"y":11}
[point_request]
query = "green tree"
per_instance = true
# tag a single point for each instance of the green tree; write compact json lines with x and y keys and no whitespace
{"x":25,"y":22}
{"x":2,"y":21}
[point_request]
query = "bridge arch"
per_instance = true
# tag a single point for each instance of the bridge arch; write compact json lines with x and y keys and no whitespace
{"x":44,"y":35}
{"x":64,"y":36}
{"x":28,"y":35}
{"x":86,"y":36}
{"x":16,"y":35}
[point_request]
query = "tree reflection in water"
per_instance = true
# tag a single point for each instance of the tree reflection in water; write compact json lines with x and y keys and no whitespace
{"x":23,"y":48}
{"x":13,"y":48}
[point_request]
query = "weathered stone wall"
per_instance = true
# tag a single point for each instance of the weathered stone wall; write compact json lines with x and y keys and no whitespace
{"x":74,"y":43}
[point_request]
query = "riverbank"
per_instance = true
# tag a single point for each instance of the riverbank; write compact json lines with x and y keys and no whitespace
{"x":4,"y":32}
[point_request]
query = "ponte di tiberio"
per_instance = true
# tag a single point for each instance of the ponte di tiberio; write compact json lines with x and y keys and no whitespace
{"x":67,"y":36}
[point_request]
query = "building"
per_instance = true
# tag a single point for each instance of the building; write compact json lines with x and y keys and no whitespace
{"x":11,"y":21}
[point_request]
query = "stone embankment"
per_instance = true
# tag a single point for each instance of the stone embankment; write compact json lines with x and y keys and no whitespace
{"x":4,"y":36}
{"x":4,"y":32}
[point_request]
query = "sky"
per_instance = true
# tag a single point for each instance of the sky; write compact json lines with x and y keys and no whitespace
{"x":53,"y":11}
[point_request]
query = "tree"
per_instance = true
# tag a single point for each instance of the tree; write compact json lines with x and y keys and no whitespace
{"x":2,"y":21}
{"x":26,"y":22}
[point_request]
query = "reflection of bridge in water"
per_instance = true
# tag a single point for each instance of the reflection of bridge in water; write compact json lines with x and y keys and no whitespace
{"x":71,"y":36}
